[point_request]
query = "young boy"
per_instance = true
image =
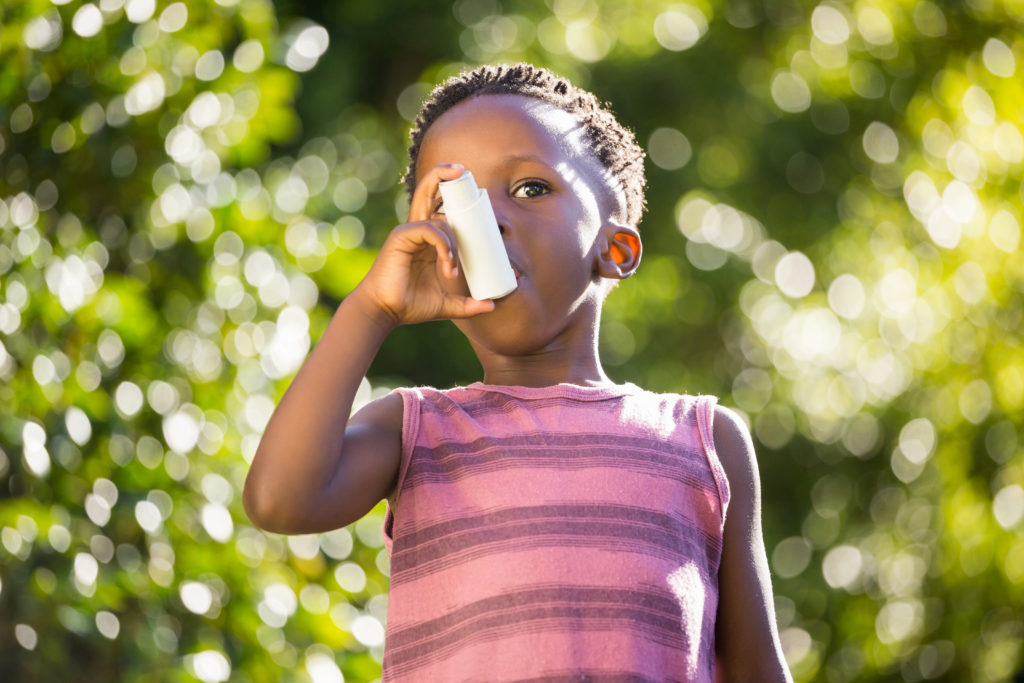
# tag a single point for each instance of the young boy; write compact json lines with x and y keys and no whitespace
{"x":545,"y":523}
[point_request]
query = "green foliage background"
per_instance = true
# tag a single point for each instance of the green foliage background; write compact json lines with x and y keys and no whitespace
{"x":832,"y":246}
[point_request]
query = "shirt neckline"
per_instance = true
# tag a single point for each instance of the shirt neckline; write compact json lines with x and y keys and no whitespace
{"x":560,"y":390}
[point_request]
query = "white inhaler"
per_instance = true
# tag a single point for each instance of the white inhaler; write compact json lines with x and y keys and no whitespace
{"x":481,"y":249}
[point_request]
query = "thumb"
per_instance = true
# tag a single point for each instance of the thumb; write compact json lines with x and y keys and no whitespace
{"x":467,"y":307}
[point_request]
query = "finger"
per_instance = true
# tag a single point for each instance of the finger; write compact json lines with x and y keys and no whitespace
{"x":438,"y":234}
{"x":443,"y":241}
{"x":411,"y":237}
{"x":426,"y":196}
{"x":433,"y":236}
{"x":467,"y":307}
{"x":449,"y":260}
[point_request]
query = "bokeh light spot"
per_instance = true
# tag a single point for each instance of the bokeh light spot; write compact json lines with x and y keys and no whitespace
{"x":791,"y":557}
{"x":929,"y":19}
{"x":174,"y":17}
{"x":368,"y":630}
{"x":33,"y":440}
{"x":842,"y":566}
{"x":680,"y":27}
{"x":146,"y":95}
{"x":350,"y":576}
{"x":917,"y":440}
{"x":971,"y":282}
{"x":898,"y":620}
{"x":880,"y":143}
{"x":790,"y":92}
{"x":998,"y":58}
{"x":669,"y":149}
{"x":139,"y":11}
{"x":587,"y":41}
{"x":210,"y":65}
{"x":978,"y":106}
{"x":216,"y":519}
{"x":1008,"y":143}
{"x":196,"y":596}
{"x":349,"y":194}
{"x":897,"y":292}
{"x":874,"y":25}
{"x":181,"y":431}
{"x":829,"y":25}
{"x":1004,"y":231}
{"x":88,"y":20}
{"x":108,"y":624}
{"x":210,"y":666}
{"x":794,"y":275}
{"x":1008,"y":506}
{"x":846,"y":296}
{"x":306,"y":48}
{"x":797,"y":644}
{"x":323,"y":669}
{"x":26,"y":636}
{"x":44,"y":32}
{"x":976,"y":401}
{"x":248,"y":56}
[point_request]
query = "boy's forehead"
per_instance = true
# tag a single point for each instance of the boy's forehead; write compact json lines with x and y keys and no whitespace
{"x":513,"y":124}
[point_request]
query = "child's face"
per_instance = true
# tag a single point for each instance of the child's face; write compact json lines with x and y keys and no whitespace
{"x":552,"y":201}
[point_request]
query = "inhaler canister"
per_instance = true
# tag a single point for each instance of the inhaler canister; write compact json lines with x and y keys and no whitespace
{"x":481,"y":249}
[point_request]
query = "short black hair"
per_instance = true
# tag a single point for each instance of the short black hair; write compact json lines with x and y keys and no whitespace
{"x":613,"y":144}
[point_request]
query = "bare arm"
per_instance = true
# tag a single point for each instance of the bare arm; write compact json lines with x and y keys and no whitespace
{"x":314,"y":468}
{"x":746,"y":638}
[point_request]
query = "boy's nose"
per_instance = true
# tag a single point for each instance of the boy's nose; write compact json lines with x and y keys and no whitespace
{"x":500,"y":214}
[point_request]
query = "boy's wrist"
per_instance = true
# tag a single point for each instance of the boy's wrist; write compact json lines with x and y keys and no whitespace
{"x":364,"y":305}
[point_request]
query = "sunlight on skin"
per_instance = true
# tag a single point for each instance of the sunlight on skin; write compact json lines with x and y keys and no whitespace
{"x":566,"y":128}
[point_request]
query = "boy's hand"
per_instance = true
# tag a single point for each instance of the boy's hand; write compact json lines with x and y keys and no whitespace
{"x":405,"y":284}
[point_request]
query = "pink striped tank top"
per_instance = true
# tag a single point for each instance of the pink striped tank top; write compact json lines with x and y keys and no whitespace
{"x":563,"y":533}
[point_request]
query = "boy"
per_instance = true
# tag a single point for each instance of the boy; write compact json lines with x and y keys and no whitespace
{"x":546,"y":523}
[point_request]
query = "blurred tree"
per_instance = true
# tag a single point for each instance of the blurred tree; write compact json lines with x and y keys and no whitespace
{"x":832,"y":245}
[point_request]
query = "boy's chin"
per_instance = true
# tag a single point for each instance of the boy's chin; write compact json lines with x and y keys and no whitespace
{"x":490,"y":334}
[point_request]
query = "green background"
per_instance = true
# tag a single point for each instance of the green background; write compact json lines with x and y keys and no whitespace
{"x":832,"y":246}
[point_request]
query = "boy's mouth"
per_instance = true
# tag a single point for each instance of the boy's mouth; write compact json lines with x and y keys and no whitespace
{"x":519,"y":277}
{"x":517,"y":271}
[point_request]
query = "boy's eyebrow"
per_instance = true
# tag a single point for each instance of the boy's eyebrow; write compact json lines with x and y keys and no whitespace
{"x":526,"y":158}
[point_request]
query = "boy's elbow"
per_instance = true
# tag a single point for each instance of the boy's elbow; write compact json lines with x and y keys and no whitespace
{"x":261,"y":508}
{"x":255,"y":507}
{"x":268,"y":510}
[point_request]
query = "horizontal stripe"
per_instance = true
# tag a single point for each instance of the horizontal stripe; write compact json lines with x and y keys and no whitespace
{"x":488,"y":404}
{"x":571,"y":442}
{"x":653,"y":613}
{"x":591,"y":676}
{"x":597,"y":511}
{"x":411,"y":570}
{"x":613,"y":528}
{"x":453,"y":461}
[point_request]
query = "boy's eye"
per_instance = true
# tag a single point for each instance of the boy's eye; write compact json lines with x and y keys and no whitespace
{"x":530,"y":189}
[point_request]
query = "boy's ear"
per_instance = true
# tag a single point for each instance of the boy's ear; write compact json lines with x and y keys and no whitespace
{"x":620,"y":252}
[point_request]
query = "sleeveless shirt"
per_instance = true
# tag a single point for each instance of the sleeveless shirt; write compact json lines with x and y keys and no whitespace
{"x":562,"y":533}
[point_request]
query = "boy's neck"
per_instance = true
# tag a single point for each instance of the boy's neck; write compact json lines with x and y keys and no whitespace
{"x":544,"y":368}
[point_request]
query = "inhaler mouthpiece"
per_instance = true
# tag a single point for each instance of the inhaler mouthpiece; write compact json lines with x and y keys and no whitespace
{"x":481,"y":249}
